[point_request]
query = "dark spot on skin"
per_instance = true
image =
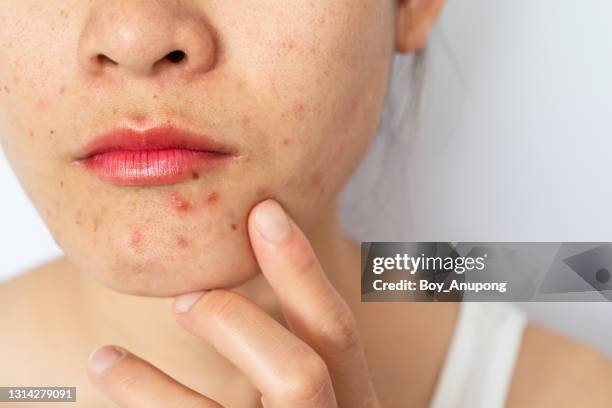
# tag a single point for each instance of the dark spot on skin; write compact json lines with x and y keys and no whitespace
{"x":213,"y":197}
{"x":52,"y":132}
{"x":195,"y":175}
{"x":114,"y":111}
{"x":31,"y":133}
{"x":61,"y":91}
{"x":182,"y":242}
{"x":246,"y":120}
{"x":96,"y":224}
{"x":156,"y":96}
{"x":138,"y":117}
{"x":178,"y":202}
{"x":286,"y":141}
{"x":7,"y":90}
{"x":61,"y":184}
{"x":234,"y":227}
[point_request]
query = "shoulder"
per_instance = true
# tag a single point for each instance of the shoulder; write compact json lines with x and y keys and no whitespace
{"x":35,"y":313}
{"x":555,"y":371}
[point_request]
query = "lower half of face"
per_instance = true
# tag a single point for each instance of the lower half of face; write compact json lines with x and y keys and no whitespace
{"x":298,"y":105}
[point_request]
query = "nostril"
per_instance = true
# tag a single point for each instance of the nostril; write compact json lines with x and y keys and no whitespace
{"x":176,"y":56}
{"x":103,"y":60}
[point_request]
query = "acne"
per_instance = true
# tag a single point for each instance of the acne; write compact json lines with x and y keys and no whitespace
{"x":42,"y":104}
{"x":30,"y":133}
{"x":182,"y":242}
{"x":234,"y":227}
{"x":62,"y":90}
{"x":286,"y":141}
{"x":299,"y":110}
{"x":178,"y":202}
{"x":212,"y":198}
{"x":97,"y":223}
{"x":135,"y":239}
{"x":246,"y":120}
{"x":138,"y":117}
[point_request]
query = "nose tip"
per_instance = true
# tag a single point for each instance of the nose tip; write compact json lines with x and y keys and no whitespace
{"x":142,"y":38}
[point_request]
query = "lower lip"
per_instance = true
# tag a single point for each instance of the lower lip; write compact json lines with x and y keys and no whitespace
{"x":153,"y":167}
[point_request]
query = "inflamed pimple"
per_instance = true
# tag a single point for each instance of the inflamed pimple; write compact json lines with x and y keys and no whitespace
{"x":182,"y":242}
{"x":178,"y":202}
{"x":135,"y":238}
{"x":212,"y":197}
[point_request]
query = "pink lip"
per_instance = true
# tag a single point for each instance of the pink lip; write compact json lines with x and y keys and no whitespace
{"x":161,"y":155}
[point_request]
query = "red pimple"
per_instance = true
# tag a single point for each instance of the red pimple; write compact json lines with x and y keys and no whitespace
{"x":299,"y":110}
{"x":286,"y":141}
{"x":135,"y":239}
{"x":62,"y":89}
{"x":182,"y":242}
{"x":178,"y":202}
{"x":213,"y":197}
{"x":138,"y":117}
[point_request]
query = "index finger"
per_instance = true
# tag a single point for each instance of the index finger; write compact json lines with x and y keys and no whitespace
{"x":314,"y":310}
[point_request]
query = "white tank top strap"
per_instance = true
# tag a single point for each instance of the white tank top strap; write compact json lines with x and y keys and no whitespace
{"x":480,"y":361}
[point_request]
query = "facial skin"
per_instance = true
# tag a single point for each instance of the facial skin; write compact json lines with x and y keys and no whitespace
{"x":296,"y":87}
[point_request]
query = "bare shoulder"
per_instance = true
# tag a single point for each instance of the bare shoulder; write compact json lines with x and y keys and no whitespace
{"x":36,"y":317}
{"x":555,"y":371}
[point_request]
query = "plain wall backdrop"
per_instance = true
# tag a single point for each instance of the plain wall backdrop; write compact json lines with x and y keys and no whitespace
{"x":514,"y":145}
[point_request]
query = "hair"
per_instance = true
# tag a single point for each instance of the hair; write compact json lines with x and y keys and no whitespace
{"x":381,"y":177}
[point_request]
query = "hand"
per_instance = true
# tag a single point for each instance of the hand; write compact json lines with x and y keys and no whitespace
{"x":319,"y":363}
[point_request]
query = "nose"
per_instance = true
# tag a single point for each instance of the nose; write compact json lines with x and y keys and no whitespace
{"x":144,"y":37}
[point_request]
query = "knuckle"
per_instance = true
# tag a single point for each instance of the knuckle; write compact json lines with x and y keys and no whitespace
{"x":338,"y":333}
{"x":307,"y":380}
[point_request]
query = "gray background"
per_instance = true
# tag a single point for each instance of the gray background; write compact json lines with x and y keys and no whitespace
{"x":514,"y":145}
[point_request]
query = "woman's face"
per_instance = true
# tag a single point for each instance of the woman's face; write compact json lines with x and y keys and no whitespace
{"x":293,"y":89}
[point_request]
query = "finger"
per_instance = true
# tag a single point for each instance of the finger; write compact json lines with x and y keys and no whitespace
{"x":130,"y":381}
{"x":287,"y":371}
{"x":313,"y":308}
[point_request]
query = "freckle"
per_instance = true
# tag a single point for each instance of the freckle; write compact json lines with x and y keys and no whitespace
{"x":7,"y":90}
{"x":31,"y":133}
{"x":182,"y":242}
{"x":61,"y":91}
{"x":61,"y":184}
{"x":286,"y":141}
{"x":52,"y":132}
{"x":195,"y":175}
{"x":213,"y":197}
{"x":246,"y":120}
{"x":135,"y":239}
{"x":138,"y":117}
{"x":155,"y":96}
{"x":178,"y":202}
{"x":96,"y":224}
{"x":234,"y":227}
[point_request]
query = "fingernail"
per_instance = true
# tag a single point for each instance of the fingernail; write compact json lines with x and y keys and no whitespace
{"x":184,"y":302}
{"x":271,"y":221}
{"x":104,"y":358}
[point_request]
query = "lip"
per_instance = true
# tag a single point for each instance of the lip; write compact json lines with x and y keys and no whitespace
{"x":155,"y":156}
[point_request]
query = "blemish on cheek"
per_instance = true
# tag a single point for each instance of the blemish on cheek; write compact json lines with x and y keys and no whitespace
{"x":299,"y":111}
{"x":195,"y":175}
{"x":96,"y":224}
{"x":61,"y":184}
{"x":234,"y":227}
{"x":155,"y":96}
{"x":246,"y":120}
{"x":6,"y":89}
{"x":61,"y":91}
{"x":212,"y":197}
{"x":178,"y":202}
{"x":30,"y":133}
{"x":135,"y":239}
{"x":42,"y":104}
{"x":182,"y":242}
{"x":286,"y":141}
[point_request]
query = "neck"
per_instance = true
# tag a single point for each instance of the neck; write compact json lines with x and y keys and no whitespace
{"x":146,"y":326}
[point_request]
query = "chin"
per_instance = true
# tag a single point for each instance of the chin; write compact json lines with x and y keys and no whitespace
{"x":163,"y":264}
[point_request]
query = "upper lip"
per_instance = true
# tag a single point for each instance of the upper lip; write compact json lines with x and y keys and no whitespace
{"x":155,"y":138}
